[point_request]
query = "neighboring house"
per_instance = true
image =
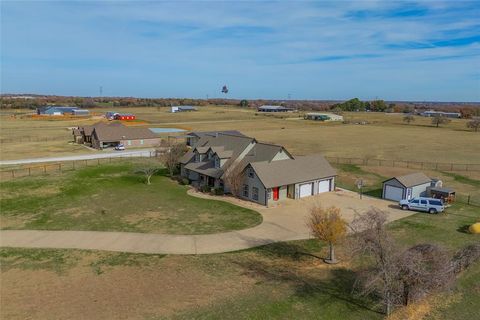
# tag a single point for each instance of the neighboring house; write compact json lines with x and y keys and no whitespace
{"x":104,"y":135}
{"x":323,"y":116}
{"x":60,"y":110}
{"x":267,"y":172}
{"x":432,"y":113}
{"x":274,"y":109}
{"x":183,"y":109}
{"x":194,"y":136}
{"x":406,"y":187}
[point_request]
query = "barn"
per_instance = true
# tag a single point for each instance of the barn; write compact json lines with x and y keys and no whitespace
{"x":406,"y":187}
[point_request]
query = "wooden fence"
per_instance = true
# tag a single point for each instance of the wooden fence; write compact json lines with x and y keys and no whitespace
{"x":417,"y":165}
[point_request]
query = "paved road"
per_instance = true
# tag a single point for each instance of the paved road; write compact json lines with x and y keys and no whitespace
{"x":282,"y":223}
{"x":101,"y":155}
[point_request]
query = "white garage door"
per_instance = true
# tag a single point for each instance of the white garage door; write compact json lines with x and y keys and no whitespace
{"x":393,"y":193}
{"x":306,"y":190}
{"x":324,"y":186}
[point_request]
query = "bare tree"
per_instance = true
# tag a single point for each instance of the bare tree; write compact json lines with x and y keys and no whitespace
{"x":233,"y":178}
{"x":408,"y":118}
{"x":437,"y":120}
{"x":474,"y":124}
{"x":372,"y":239}
{"x":327,"y":225}
{"x":169,"y":154}
{"x":148,"y":170}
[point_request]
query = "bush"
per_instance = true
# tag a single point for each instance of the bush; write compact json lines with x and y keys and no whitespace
{"x":205,"y":189}
{"x":183,"y":181}
{"x":218,"y":191}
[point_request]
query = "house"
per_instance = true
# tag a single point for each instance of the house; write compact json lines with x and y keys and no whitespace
{"x":406,"y":187}
{"x":266,"y":172}
{"x":61,"y":110}
{"x":124,"y":116}
{"x":432,"y":113}
{"x":275,"y":109}
{"x":323,"y":116}
{"x":104,"y":135}
{"x":183,"y":109}
{"x":193,"y":137}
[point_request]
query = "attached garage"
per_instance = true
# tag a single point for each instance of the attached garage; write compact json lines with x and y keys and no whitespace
{"x":406,"y":187}
{"x":306,"y":189}
{"x":324,"y":185}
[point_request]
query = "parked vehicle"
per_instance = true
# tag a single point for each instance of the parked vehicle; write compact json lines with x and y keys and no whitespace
{"x":120,"y":147}
{"x":430,"y":205}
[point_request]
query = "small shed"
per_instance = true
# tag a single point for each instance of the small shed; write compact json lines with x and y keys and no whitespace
{"x":175,"y":109}
{"x":320,"y":116}
{"x":446,"y":194}
{"x":275,"y":109}
{"x":406,"y":187}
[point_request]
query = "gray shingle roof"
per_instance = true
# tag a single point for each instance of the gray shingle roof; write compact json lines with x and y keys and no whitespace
{"x":413,"y":179}
{"x":117,"y":131}
{"x":207,"y":168}
{"x":285,"y":172}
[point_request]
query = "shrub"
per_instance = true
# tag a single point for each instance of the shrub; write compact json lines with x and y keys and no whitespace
{"x":205,"y":189}
{"x":184,"y":181}
{"x":218,"y":191}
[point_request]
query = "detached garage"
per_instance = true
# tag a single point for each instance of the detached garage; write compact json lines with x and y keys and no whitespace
{"x":406,"y":187}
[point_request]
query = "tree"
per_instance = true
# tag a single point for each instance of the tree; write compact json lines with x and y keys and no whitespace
{"x":474,"y":124}
{"x":371,"y":239}
{"x":148,"y":170}
{"x":233,"y":178}
{"x":244,"y":103}
{"x":378,"y":105}
{"x":439,"y":119}
{"x":327,"y":225}
{"x":408,"y":118}
{"x":170,"y":154}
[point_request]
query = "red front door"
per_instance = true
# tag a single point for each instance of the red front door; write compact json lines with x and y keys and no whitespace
{"x":275,"y":193}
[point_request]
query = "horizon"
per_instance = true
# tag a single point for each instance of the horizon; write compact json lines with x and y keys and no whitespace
{"x":396,"y":51}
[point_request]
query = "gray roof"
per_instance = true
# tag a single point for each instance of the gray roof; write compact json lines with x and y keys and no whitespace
{"x":206,"y":167}
{"x":413,"y":179}
{"x":214,"y":133}
{"x":261,"y":152}
{"x":117,"y":131}
{"x":285,"y":172}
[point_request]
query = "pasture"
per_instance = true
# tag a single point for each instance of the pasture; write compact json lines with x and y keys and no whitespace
{"x":385,"y":136}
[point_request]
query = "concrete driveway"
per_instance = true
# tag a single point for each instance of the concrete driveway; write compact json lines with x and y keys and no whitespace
{"x":284,"y":222}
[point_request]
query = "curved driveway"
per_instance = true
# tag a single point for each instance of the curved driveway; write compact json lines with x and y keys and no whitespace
{"x":282,"y":223}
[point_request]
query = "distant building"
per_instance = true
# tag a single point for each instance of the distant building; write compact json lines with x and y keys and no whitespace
{"x":275,"y":109}
{"x":183,"y":109}
{"x":112,"y":115}
{"x":61,"y":110}
{"x":432,"y":113}
{"x":323,"y":116}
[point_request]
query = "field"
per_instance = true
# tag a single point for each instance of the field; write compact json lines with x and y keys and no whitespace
{"x":385,"y":136}
{"x":281,"y":281}
{"x":112,"y":198}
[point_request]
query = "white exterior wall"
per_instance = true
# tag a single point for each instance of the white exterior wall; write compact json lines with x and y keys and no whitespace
{"x":419,"y":191}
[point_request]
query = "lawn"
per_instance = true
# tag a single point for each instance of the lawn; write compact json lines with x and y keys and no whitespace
{"x":111,"y":198}
{"x":277,"y":281}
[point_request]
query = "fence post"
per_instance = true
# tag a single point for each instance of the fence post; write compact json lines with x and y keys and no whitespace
{"x":60,"y":167}
{"x":436,"y":165}
{"x":73,"y":165}
{"x":451,"y":166}
{"x":98,"y":161}
{"x":468,"y":200}
{"x":13,"y":173}
{"x":29,"y":171}
{"x":44,"y":168}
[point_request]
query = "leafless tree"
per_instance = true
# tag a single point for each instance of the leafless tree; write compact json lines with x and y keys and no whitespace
{"x":424,"y":268}
{"x":408,"y":118}
{"x":148,"y":170}
{"x":474,"y":124}
{"x":372,"y":239}
{"x":465,"y":257}
{"x":169,"y":154}
{"x":233,"y":178}
{"x":437,"y":120}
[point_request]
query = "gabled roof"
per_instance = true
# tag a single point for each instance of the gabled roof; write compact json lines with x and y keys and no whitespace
{"x":117,"y":131}
{"x":215,"y":133}
{"x":206,"y":167}
{"x":413,"y":179}
{"x":262,"y":152}
{"x":285,"y":172}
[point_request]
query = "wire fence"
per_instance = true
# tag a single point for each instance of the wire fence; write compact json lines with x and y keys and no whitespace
{"x":467,"y":199}
{"x":418,"y":165}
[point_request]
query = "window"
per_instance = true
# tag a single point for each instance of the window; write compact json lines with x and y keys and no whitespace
{"x":435,"y":202}
{"x":245,"y":190}
{"x":415,"y":201}
{"x":423,"y":201}
{"x":269,"y":194}
{"x":197,"y":157}
{"x":251,"y":173}
{"x":255,"y":193}
{"x":129,"y":142}
{"x":217,"y":162}
{"x":141,"y":141}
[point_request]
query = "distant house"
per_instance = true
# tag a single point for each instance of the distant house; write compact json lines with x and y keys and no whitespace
{"x":183,"y":109}
{"x":275,"y":109}
{"x":267,"y":172}
{"x":194,"y":136}
{"x":61,"y":110}
{"x":432,"y":113}
{"x":105,"y":135}
{"x":406,"y":187}
{"x":318,"y":116}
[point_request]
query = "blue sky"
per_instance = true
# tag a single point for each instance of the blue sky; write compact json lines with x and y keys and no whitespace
{"x":426,"y":50}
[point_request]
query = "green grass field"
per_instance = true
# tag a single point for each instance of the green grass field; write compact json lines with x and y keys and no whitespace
{"x":112,"y":198}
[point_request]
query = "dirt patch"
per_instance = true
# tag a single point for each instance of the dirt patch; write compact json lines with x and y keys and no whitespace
{"x":121,"y":293}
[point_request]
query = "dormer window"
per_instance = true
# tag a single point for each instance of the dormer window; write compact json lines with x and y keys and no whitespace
{"x":217,"y":162}
{"x":197,"y":157}
{"x":251,"y":173}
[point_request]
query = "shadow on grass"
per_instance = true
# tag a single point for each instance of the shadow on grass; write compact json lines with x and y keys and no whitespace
{"x":288,"y":250}
{"x":306,"y":284}
{"x":464,"y":229}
